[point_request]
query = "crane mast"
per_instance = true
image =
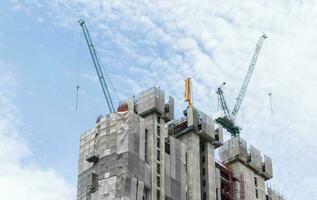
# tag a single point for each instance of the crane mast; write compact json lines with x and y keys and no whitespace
{"x":188,"y":92}
{"x":247,"y":77}
{"x":228,"y":121}
{"x":97,"y":64}
{"x":223,"y":103}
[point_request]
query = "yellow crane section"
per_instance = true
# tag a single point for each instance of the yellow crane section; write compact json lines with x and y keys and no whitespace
{"x":188,"y":92}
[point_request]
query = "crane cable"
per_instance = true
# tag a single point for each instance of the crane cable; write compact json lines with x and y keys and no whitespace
{"x":271,"y":104}
{"x":111,"y":84}
{"x":77,"y":37}
{"x":239,"y":66}
{"x":232,"y":74}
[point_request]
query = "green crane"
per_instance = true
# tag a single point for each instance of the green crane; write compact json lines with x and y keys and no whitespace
{"x":228,"y":121}
{"x":97,"y":64}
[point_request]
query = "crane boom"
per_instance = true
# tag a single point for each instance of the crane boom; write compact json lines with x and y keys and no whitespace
{"x":228,"y":121}
{"x":247,"y":77}
{"x":97,"y":65}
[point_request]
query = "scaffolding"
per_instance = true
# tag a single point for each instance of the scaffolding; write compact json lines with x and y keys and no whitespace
{"x":272,"y":194}
{"x":226,"y":181}
{"x":112,"y":160}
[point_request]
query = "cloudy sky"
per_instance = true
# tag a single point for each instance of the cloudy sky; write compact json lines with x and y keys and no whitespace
{"x":43,"y":57}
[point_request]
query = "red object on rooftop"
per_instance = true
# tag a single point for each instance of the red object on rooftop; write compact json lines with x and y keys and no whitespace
{"x":123,"y":107}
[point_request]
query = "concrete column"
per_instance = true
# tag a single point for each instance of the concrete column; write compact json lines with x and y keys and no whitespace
{"x":191,"y":141}
{"x":218,"y":184}
{"x":152,"y":122}
{"x":211,"y":172}
{"x":162,"y":164}
{"x":151,"y":148}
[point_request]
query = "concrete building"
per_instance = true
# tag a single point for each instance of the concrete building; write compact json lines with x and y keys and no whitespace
{"x":249,"y":170}
{"x":142,"y":153}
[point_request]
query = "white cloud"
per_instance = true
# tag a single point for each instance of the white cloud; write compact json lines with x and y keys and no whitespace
{"x":208,"y":40}
{"x":20,"y":178}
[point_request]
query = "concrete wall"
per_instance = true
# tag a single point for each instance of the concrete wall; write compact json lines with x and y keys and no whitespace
{"x":175,"y":171}
{"x":210,"y":167}
{"x":247,"y":178}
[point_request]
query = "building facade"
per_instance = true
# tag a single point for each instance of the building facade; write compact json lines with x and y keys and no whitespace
{"x":142,"y":153}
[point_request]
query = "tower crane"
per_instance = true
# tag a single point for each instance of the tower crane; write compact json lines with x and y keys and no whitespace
{"x":97,"y":64}
{"x":228,"y":121}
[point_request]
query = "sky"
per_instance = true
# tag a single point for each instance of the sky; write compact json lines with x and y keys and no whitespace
{"x":43,"y":57}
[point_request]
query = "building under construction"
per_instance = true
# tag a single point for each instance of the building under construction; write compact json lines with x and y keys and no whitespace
{"x":141,"y":152}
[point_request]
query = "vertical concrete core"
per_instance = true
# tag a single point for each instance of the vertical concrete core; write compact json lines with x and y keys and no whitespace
{"x":191,"y":142}
{"x":211,"y":170}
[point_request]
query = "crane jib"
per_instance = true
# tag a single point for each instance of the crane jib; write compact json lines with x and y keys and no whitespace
{"x":97,"y":66}
{"x":228,"y":121}
{"x":248,"y":77}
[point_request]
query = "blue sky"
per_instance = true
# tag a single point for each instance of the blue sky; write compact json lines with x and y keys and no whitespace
{"x":43,"y":56}
{"x":39,"y":56}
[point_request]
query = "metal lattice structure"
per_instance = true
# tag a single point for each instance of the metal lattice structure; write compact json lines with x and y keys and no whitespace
{"x":97,"y":64}
{"x":248,"y":77}
{"x":228,"y":121}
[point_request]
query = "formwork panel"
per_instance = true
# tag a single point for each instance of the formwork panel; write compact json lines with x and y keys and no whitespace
{"x":256,"y":158}
{"x":152,"y":99}
{"x":243,"y":149}
{"x":207,"y":124}
{"x":268,"y":169}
